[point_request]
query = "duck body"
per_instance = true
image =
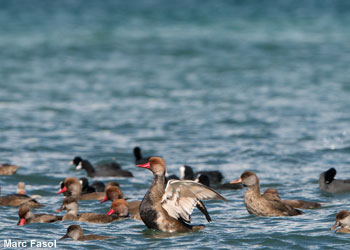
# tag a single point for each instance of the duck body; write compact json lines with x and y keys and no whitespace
{"x":329,"y":184}
{"x":8,"y":169}
{"x":16,"y":200}
{"x":76,"y":233}
{"x":268,"y":204}
{"x":26,"y":216}
{"x":169,"y":209}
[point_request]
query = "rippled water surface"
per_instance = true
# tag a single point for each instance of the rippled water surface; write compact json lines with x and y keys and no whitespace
{"x":227,"y":85}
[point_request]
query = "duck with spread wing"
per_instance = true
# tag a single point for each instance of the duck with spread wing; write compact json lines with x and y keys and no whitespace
{"x":169,"y":209}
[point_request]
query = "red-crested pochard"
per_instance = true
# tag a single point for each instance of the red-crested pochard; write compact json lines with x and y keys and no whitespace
{"x":71,"y":205}
{"x":169,"y":209}
{"x":8,"y":169}
{"x":263,"y":205}
{"x":76,"y":233}
{"x":342,"y":221}
{"x":26,"y":216}
{"x":293,"y":203}
{"x":72,"y":186}
{"x":16,"y":200}
{"x":114,"y":193}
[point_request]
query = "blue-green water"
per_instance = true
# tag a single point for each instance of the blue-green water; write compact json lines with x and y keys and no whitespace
{"x":227,"y":85}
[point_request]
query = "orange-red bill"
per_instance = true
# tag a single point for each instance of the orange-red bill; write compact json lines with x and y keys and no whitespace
{"x":64,"y":189}
{"x":111,"y":211}
{"x":22,"y":222}
{"x":335,"y":225}
{"x":239,"y":180}
{"x":146,"y":165}
{"x":104,"y":200}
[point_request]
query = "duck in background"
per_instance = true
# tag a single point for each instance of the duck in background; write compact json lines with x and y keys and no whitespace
{"x":169,"y":209}
{"x":138,"y":156}
{"x":342,"y":221}
{"x":26,"y":216}
{"x":101,"y":171}
{"x":263,"y":205}
{"x":16,"y":200}
{"x":85,"y":187}
{"x":328,"y":183}
{"x":73,"y":187}
{"x":186,"y":173}
{"x":293,"y":203}
{"x":71,"y":205}
{"x":76,"y":233}
{"x":8,"y":169}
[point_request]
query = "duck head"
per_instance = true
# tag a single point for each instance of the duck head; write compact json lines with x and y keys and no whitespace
{"x":72,"y":186}
{"x":329,"y":175}
{"x":74,"y":232}
{"x":342,"y":219}
{"x":112,"y":193}
{"x":24,"y":214}
{"x":248,"y":179}
{"x":119,"y":207}
{"x":156,"y":165}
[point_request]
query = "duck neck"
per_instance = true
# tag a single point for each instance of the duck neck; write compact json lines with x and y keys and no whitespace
{"x":255,"y":189}
{"x":157,"y":187}
{"x":73,"y":209}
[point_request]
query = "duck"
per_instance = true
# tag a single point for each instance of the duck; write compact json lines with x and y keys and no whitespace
{"x":293,"y":203}
{"x":101,"y":171}
{"x":169,"y":208}
{"x":85,"y":187}
{"x":263,"y":205}
{"x":8,"y":169}
{"x":16,"y":200}
{"x":71,"y":205}
{"x":187,"y":173}
{"x":21,"y":189}
{"x":114,"y":193}
{"x":26,"y":216}
{"x":204,"y":179}
{"x":329,"y":184}
{"x":119,"y":207}
{"x":76,"y":233}
{"x":138,"y":156}
{"x":342,"y":221}
{"x":72,"y":186}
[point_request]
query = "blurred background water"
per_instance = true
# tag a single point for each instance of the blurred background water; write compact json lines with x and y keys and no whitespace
{"x":226,"y":85}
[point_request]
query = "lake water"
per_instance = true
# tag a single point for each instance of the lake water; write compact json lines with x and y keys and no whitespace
{"x":226,"y":85}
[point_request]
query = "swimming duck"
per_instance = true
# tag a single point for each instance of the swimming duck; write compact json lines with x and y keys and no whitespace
{"x":138,"y":156}
{"x":26,"y":216}
{"x":85,"y":187}
{"x":101,"y":171}
{"x":342,"y":221}
{"x":114,"y":193}
{"x":16,"y":200}
{"x":76,"y":233}
{"x":263,"y":205}
{"x":119,"y":207}
{"x":187,"y":173}
{"x":169,"y":209}
{"x":72,"y":186}
{"x":293,"y":203}
{"x":71,"y":205}
{"x":8,"y":169}
{"x":329,"y":184}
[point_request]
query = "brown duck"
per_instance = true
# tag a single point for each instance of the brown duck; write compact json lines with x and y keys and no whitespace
{"x":293,"y":203}
{"x":72,"y":186}
{"x":71,"y":205}
{"x":26,"y":216}
{"x":169,"y":209}
{"x":119,"y":207}
{"x":16,"y":200}
{"x":342,"y":221}
{"x":76,"y":233}
{"x":8,"y":169}
{"x":114,"y":193}
{"x":263,"y":205}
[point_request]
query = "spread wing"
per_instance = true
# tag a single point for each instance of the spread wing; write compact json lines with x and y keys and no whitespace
{"x":181,"y":197}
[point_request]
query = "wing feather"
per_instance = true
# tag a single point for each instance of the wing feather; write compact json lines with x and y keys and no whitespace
{"x":181,"y":197}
